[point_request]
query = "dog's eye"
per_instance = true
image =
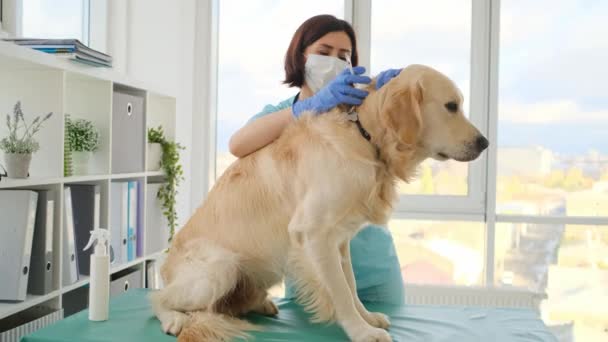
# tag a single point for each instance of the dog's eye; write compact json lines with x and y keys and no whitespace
{"x":452,"y":106}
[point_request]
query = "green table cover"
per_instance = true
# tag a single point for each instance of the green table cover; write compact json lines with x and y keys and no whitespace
{"x":131,"y":319}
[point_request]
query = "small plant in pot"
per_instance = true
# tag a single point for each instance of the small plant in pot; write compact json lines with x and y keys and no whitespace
{"x":20,"y":144}
{"x":173,"y":172}
{"x":83,"y":139}
{"x":155,"y":150}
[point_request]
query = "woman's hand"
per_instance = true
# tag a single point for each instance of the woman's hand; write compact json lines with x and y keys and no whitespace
{"x":386,"y":76}
{"x":339,"y":91}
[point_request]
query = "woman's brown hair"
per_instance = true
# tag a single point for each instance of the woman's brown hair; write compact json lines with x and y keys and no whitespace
{"x":309,"y":32}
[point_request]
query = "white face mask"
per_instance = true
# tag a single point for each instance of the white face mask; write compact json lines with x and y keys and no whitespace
{"x":319,"y":70}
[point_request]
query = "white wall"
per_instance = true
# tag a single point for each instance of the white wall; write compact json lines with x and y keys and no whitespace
{"x":153,"y":41}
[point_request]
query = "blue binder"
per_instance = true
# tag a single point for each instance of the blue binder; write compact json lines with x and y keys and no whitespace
{"x":132,"y":227}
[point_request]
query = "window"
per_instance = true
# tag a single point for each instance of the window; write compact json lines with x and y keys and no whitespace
{"x":436,"y":33}
{"x":551,"y":148}
{"x":253,"y":39}
{"x":552,"y":159}
{"x":56,"y":19}
{"x":568,"y":262}
{"x":553,"y":109}
{"x":440,"y":252}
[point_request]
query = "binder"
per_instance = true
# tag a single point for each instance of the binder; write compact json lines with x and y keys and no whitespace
{"x":86,"y":200}
{"x":42,"y":267}
{"x":157,"y":228}
{"x":139,"y":234}
{"x":119,"y":221}
{"x":70,"y":262}
{"x":132,"y":227}
{"x":18,"y":213}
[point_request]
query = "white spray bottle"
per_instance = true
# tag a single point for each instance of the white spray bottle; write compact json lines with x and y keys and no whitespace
{"x":99,"y":286}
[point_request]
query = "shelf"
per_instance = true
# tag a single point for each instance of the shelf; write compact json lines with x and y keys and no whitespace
{"x":155,"y":256}
{"x":80,"y":283}
{"x":45,"y":83}
{"x":128,"y":175}
{"x":120,"y":267}
{"x":155,"y":173}
{"x":21,"y":57}
{"x":82,"y":179}
{"x":8,"y":183}
{"x":113,"y":269}
{"x":7,"y":309}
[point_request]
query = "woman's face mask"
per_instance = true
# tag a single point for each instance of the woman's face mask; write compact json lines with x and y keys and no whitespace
{"x":319,"y":70}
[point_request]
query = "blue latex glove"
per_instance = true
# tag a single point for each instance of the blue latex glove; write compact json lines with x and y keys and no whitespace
{"x":339,"y":91}
{"x":386,"y":76}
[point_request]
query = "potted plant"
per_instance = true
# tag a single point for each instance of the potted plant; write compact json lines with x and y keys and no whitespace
{"x":18,"y":147}
{"x":155,"y":150}
{"x":83,"y":139}
{"x":173,"y":173}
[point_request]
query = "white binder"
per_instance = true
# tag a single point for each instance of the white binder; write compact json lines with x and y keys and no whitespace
{"x":70,"y":266}
{"x":157,"y":227}
{"x":119,"y":221}
{"x":18,"y":213}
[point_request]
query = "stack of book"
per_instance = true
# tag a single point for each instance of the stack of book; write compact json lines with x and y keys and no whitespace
{"x":66,"y":48}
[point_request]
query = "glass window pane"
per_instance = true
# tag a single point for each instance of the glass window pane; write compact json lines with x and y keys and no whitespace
{"x":568,"y":262}
{"x":440,"y":252}
{"x":436,"y":33}
{"x":60,"y":19}
{"x":253,"y":39}
{"x":553,"y":109}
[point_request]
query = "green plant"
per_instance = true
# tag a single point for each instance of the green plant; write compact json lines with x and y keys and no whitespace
{"x":174,"y":173}
{"x":156,"y":135}
{"x":26,"y":143}
{"x":82,"y":135}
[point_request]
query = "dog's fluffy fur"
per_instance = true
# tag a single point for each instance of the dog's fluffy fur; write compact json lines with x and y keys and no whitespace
{"x":293,"y":206}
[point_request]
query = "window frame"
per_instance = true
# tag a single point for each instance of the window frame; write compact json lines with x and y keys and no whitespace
{"x":1,"y":15}
{"x":480,"y":203}
{"x":10,"y":22}
{"x":471,"y":205}
{"x":93,"y":25}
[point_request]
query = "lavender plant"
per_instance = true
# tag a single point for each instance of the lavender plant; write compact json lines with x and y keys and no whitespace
{"x":22,"y":143}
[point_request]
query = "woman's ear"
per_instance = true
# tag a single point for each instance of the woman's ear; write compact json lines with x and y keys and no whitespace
{"x":400,"y":113}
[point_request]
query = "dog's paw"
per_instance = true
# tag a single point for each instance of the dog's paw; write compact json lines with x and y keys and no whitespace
{"x":377,"y":319}
{"x":172,"y":322}
{"x":373,"y":335}
{"x":268,"y":308}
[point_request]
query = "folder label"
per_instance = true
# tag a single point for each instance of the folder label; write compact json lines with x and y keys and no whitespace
{"x":50,"y":214}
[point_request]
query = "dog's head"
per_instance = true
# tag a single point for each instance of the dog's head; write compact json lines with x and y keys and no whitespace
{"x":422,"y":108}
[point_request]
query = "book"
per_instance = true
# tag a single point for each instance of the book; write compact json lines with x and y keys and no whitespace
{"x":71,"y":49}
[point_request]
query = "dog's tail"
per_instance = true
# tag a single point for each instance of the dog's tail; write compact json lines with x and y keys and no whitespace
{"x":214,"y":327}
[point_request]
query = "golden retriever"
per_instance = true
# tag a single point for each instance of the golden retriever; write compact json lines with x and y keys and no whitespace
{"x":292,"y":207}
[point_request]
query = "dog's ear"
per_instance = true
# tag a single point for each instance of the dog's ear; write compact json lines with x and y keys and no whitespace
{"x":401,"y":113}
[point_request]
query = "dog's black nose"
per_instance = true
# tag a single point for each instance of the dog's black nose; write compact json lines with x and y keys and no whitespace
{"x":482,"y":143}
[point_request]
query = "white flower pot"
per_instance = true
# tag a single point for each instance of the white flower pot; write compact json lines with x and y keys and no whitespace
{"x":81,"y":162}
{"x":155,"y":153}
{"x":17,"y":164}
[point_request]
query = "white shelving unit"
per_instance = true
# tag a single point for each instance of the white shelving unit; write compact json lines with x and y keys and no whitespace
{"x":44,"y":83}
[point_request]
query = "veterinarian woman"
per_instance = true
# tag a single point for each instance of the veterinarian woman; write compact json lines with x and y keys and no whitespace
{"x":316,"y":63}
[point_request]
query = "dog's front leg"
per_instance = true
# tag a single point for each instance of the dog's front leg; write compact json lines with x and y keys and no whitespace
{"x":326,"y":259}
{"x":376,"y":319}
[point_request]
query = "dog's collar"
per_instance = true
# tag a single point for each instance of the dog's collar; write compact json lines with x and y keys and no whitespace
{"x":353,"y":116}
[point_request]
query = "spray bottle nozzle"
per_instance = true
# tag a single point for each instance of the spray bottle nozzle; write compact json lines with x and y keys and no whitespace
{"x":102,"y":236}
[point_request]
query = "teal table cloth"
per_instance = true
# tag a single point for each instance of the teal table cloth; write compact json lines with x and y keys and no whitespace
{"x":131,"y":319}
